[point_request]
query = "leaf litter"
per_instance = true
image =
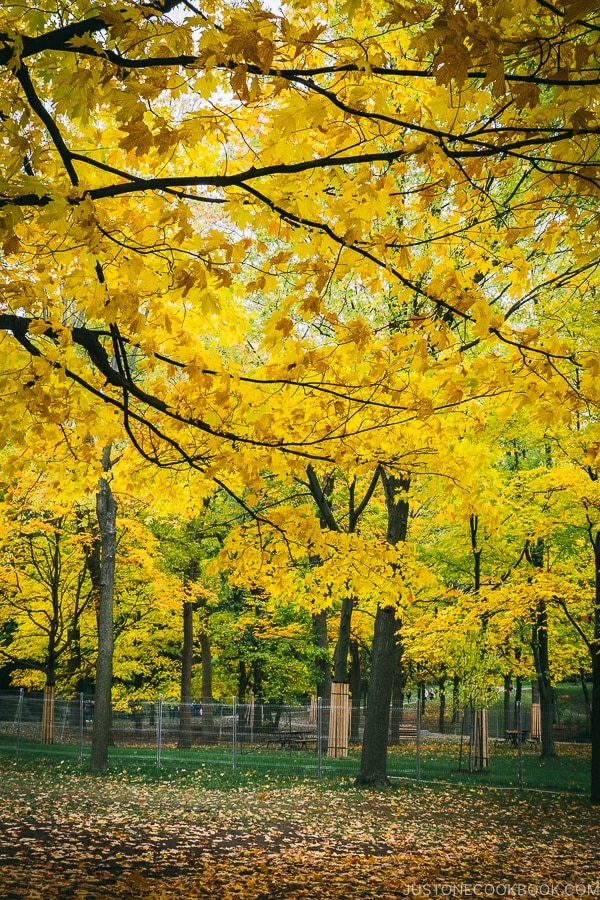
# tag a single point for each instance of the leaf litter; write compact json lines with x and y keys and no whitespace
{"x":72,"y":836}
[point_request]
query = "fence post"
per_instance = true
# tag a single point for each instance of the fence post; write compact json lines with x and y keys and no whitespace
{"x":234,"y":737}
{"x":319,"y":738}
{"x":81,"y":728}
{"x":18,"y":717}
{"x":159,"y":715}
{"x":418,"y":740}
{"x":520,"y":743}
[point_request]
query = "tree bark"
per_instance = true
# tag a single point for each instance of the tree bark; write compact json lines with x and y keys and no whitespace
{"x":507,"y":693}
{"x":442,"y":711}
{"x":541,"y":656}
{"x":456,"y":699}
{"x":323,"y":664}
{"x":595,"y":653}
{"x":542,"y":666}
{"x":106,"y":512}
{"x":187,"y":659}
{"x":355,"y":676}
{"x":595,"y":725}
{"x":398,"y":684}
{"x":342,"y":646}
{"x":476,"y":550}
{"x":518,"y":697}
{"x":373,"y":763}
{"x":207,"y":687}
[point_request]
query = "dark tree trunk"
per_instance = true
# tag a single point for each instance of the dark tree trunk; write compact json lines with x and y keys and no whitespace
{"x":323,"y":664}
{"x":442,"y":712}
{"x":355,"y":676}
{"x":258,"y":678}
{"x":187,"y":661}
{"x":373,"y":763}
{"x":456,"y":700}
{"x":342,"y":647}
{"x":518,"y":695}
{"x":397,"y":712}
{"x":586,"y":696}
{"x":243,"y":681}
{"x":207,"y":687}
{"x":54,"y":561}
{"x":541,"y":657}
{"x":595,"y":653}
{"x":476,"y":550}
{"x":507,"y":693}
{"x":595,"y":724}
{"x":106,"y":512}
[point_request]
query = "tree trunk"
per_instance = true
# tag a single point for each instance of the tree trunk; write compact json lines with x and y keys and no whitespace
{"x":50,"y":686}
{"x":54,"y":556}
{"x":355,"y":676}
{"x":518,"y":697}
{"x":507,"y":693}
{"x":342,"y":646}
{"x":106,"y":512}
{"x":456,"y":700}
{"x":595,"y":726}
{"x":476,"y":550}
{"x":397,"y":711}
{"x":541,"y":657}
{"x":595,"y":653}
{"x":207,"y":687}
{"x":373,"y":762}
{"x":243,"y":681}
{"x":442,"y":711}
{"x":480,"y":739}
{"x":586,"y":696}
{"x":187,"y":659}
{"x":323,"y":664}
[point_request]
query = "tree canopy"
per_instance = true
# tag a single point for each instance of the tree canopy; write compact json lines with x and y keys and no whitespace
{"x":241,"y":227}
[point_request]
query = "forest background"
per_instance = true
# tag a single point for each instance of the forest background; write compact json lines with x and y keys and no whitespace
{"x":300,"y":361}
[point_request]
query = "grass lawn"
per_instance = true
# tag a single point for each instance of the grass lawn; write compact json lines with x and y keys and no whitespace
{"x":441,"y":760}
{"x":207,"y":834}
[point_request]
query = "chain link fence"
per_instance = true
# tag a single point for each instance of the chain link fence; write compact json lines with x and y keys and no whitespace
{"x":270,"y":738}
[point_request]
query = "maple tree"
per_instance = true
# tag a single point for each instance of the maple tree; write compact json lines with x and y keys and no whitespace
{"x":251,"y":240}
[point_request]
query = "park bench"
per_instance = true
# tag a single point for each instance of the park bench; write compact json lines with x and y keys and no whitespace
{"x":407,"y":732}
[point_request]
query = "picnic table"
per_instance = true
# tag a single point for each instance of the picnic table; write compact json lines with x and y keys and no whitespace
{"x":293,"y":740}
{"x":511,"y":735}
